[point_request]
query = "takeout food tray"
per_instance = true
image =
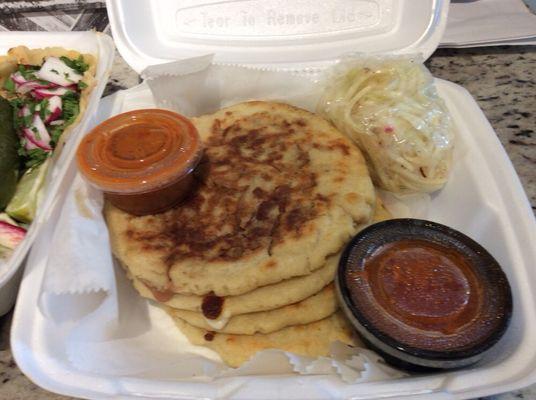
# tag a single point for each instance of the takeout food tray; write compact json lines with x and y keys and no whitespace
{"x":483,"y":198}
{"x":95,"y":43}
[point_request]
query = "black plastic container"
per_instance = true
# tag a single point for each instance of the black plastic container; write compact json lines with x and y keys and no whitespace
{"x":395,"y":339}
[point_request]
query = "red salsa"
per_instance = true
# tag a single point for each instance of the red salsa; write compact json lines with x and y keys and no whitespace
{"x":423,"y":285}
{"x":142,"y":160}
{"x":422,"y":294}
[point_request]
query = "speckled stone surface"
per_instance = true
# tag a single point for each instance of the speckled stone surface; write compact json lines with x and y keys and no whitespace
{"x":501,"y":79}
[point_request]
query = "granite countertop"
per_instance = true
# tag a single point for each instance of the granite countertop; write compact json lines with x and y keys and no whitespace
{"x":501,"y":79}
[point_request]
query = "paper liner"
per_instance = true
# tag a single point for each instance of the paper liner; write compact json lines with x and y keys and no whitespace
{"x":196,"y":88}
{"x":406,"y":205}
{"x":113,"y":330}
{"x":79,"y":259}
{"x":128,"y":336}
{"x":135,"y":338}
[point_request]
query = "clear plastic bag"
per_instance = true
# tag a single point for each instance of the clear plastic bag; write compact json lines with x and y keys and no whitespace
{"x":390,"y":108}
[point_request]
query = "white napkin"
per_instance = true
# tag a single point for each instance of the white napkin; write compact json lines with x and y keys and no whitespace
{"x":489,"y":22}
{"x":80,"y":259}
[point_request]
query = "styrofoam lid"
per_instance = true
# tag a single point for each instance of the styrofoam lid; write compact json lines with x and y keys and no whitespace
{"x":289,"y":32}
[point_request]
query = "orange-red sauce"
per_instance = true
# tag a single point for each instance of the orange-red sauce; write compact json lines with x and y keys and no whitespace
{"x":141,"y":159}
{"x":424,"y":285}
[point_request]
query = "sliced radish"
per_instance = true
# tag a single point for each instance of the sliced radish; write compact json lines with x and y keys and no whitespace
{"x":48,"y":85}
{"x":18,"y":78}
{"x":11,"y":235}
{"x":27,"y":86}
{"x":54,"y":108}
{"x":57,"y":122}
{"x":37,"y":134}
{"x":32,"y":142}
{"x":56,"y":71}
{"x":29,"y":145}
{"x":41,"y":94}
{"x":24,"y":111}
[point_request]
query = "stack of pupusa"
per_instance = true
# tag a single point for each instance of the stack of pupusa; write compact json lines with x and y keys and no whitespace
{"x":247,"y":261}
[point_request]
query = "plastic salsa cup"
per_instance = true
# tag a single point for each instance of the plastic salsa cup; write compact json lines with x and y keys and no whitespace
{"x":142,"y":160}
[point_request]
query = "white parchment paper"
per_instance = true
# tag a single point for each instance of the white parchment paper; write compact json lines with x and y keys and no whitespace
{"x":118,"y":332}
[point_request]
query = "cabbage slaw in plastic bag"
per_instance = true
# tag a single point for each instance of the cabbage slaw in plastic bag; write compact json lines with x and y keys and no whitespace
{"x":390,"y":107}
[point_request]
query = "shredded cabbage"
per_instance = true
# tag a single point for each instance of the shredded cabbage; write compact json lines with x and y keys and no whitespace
{"x":390,"y":108}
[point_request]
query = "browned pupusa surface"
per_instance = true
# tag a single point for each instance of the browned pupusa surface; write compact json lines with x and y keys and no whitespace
{"x":279,"y":190}
{"x":264,"y":298}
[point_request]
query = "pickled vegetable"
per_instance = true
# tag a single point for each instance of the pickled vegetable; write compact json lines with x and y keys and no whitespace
{"x":9,"y":158}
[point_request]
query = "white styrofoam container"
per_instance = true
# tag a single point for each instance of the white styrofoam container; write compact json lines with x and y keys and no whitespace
{"x":293,"y":33}
{"x":85,"y":42}
{"x":484,"y":198}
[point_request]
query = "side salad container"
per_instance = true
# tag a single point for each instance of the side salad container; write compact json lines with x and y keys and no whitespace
{"x":102,"y":47}
{"x":299,"y":36}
